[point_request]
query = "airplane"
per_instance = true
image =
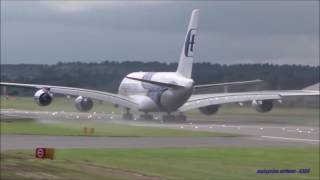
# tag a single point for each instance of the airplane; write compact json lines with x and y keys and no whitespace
{"x":166,"y":92}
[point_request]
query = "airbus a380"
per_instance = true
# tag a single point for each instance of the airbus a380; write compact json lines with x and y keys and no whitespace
{"x":166,"y":92}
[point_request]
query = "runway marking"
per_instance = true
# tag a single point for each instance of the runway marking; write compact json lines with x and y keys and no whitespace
{"x":294,"y":131}
{"x":293,"y":139}
{"x":286,"y":129}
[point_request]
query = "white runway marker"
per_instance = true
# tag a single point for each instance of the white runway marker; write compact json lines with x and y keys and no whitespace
{"x":292,"y":139}
{"x":297,"y":131}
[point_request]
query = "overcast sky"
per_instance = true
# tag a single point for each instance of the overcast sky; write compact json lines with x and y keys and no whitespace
{"x":285,"y":32}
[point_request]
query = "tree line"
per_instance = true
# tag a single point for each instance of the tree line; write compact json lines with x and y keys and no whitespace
{"x":107,"y":75}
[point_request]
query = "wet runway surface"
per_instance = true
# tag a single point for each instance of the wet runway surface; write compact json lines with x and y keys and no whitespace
{"x":257,"y":134}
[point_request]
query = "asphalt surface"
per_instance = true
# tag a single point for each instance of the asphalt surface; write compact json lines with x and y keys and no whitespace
{"x":254,"y":134}
{"x":32,"y":141}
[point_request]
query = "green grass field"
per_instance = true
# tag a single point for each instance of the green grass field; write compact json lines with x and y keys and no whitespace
{"x":175,"y":163}
{"x":75,"y":128}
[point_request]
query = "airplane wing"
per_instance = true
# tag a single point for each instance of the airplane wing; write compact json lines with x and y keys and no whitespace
{"x":209,"y":88}
{"x":98,"y":95}
{"x":201,"y":100}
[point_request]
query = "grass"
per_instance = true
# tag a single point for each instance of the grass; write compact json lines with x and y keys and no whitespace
{"x":175,"y":163}
{"x":74,"y":128}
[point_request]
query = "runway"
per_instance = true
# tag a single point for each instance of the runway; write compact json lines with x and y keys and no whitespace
{"x":284,"y":132}
{"x":257,"y":134}
{"x":32,"y":141}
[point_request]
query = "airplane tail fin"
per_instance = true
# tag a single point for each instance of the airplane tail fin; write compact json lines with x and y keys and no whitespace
{"x":186,"y":57}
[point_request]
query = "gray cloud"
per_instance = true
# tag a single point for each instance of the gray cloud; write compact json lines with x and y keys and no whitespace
{"x":230,"y":32}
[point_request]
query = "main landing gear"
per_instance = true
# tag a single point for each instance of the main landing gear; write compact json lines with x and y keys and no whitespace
{"x":127,"y":115}
{"x":146,"y":117}
{"x":149,"y":117}
{"x":172,"y":118}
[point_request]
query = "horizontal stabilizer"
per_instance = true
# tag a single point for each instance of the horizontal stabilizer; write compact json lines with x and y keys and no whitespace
{"x":228,"y":84}
{"x":314,"y":87}
{"x":156,"y":82}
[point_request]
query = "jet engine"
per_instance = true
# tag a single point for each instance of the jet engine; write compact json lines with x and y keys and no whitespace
{"x":263,"y":105}
{"x":209,"y":110}
{"x":83,"y":104}
{"x":43,"y":97}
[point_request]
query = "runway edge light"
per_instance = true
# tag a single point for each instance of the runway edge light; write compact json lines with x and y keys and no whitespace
{"x":44,"y":153}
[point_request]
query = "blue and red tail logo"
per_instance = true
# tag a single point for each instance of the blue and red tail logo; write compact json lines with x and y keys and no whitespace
{"x":189,"y":44}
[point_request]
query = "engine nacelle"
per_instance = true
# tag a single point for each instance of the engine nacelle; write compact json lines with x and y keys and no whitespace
{"x":209,"y":110}
{"x":83,"y":104}
{"x":43,"y":97}
{"x":263,"y":105}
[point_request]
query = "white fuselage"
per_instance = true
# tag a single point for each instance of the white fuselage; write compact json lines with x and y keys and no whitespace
{"x":157,"y":98}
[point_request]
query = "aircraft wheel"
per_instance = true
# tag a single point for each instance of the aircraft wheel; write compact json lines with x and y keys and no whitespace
{"x":181,"y":118}
{"x":127,"y":116}
{"x":146,"y":117}
{"x":168,"y":118}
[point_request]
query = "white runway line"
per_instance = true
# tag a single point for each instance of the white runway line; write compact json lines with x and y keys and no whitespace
{"x":292,"y":139}
{"x":294,"y":131}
